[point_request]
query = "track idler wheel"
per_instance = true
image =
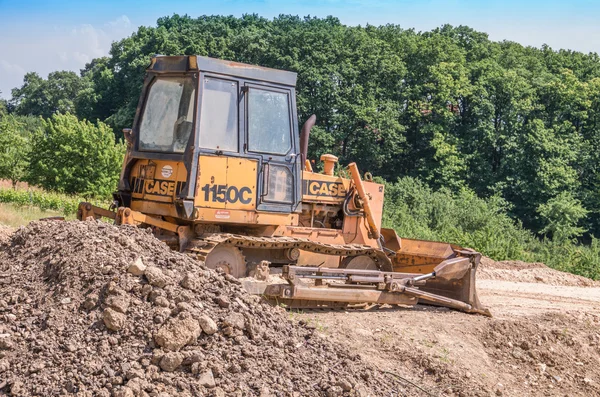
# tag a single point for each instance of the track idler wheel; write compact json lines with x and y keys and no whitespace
{"x":228,"y":258}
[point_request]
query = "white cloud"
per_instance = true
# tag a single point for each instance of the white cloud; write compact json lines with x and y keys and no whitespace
{"x":11,"y":68}
{"x":9,"y":72}
{"x":120,"y":22}
{"x":50,"y":48}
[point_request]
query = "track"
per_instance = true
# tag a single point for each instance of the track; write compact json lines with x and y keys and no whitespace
{"x":511,"y":299}
{"x":200,"y":248}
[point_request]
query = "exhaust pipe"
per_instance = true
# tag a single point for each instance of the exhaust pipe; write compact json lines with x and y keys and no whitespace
{"x":304,"y":135}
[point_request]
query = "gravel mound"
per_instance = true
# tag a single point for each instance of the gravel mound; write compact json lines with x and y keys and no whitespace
{"x":5,"y":233}
{"x":91,"y":309}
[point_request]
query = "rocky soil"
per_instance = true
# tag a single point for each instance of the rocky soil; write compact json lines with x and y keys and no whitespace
{"x":543,"y":338}
{"x":446,"y":353}
{"x":5,"y":233}
{"x":91,"y":309}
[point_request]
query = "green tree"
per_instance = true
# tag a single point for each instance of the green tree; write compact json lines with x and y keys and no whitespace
{"x":561,"y":217}
{"x":97,"y":99}
{"x":15,"y":147}
{"x":3,"y":106}
{"x":41,"y":97}
{"x":447,"y":106}
{"x":73,"y":156}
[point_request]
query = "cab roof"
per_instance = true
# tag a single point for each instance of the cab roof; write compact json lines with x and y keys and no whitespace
{"x":186,"y":63}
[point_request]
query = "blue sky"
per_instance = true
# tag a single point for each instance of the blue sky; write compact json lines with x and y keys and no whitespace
{"x":44,"y":36}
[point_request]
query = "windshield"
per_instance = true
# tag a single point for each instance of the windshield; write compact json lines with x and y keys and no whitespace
{"x":168,"y":115}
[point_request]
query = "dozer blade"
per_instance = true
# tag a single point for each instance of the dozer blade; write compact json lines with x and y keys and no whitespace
{"x":455,"y":282}
{"x":355,"y":286}
{"x":452,"y":269}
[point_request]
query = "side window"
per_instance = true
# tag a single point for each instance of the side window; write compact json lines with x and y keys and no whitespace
{"x":219,"y":115}
{"x":280,"y":185}
{"x":269,"y":127}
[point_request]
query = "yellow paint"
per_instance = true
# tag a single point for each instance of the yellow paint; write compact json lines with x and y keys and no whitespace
{"x":192,"y":63}
{"x":235,"y":202}
{"x":242,"y":173}
{"x":158,"y":181}
{"x":320,"y":188}
{"x":245,"y":217}
{"x":226,"y":183}
{"x":212,"y":171}
{"x":154,"y":208}
{"x":375,"y":192}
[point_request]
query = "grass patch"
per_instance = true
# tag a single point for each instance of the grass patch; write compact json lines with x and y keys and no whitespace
{"x":65,"y":205}
{"x":17,"y":215}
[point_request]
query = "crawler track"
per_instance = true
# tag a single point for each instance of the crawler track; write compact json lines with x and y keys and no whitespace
{"x":200,"y":248}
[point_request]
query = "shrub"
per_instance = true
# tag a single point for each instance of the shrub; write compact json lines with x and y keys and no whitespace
{"x":15,"y":146}
{"x":415,"y":210}
{"x":73,"y":156}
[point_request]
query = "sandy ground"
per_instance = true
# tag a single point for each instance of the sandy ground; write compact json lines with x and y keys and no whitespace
{"x":509,"y":299}
{"x":543,"y":339}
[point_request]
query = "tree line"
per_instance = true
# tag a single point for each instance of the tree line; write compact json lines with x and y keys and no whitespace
{"x":446,"y":107}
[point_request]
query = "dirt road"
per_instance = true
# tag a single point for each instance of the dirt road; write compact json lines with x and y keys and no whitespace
{"x":544,"y":340}
{"x":509,"y":299}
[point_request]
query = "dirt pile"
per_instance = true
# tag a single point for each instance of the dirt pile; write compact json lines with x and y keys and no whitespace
{"x":91,"y":309}
{"x":529,"y":273}
{"x":5,"y":233}
{"x":557,"y":354}
{"x":454,"y":354}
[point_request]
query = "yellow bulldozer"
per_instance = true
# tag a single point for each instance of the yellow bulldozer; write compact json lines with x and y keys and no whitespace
{"x":216,"y":166}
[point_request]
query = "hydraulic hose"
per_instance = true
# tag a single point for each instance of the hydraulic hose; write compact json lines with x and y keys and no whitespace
{"x":345,"y":207}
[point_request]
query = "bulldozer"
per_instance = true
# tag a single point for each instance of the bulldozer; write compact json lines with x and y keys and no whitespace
{"x":216,"y":167}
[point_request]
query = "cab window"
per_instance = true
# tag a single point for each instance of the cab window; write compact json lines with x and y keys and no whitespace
{"x":219,"y":115}
{"x":168,"y":115}
{"x":269,"y":127}
{"x":280,"y":182}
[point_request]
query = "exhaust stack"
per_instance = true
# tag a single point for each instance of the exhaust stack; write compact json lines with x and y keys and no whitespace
{"x":304,"y":135}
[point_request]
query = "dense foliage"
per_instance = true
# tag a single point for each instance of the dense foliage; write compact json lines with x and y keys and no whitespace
{"x":45,"y":97}
{"x":3,"y":106}
{"x":493,"y":127}
{"x":15,"y":146}
{"x":417,"y":211}
{"x":72,"y":156}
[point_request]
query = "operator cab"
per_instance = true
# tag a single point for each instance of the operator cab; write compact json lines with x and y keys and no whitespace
{"x":197,"y":110}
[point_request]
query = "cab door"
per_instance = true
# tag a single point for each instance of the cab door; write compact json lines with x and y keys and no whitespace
{"x":271,"y":136}
{"x":226,"y":177}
